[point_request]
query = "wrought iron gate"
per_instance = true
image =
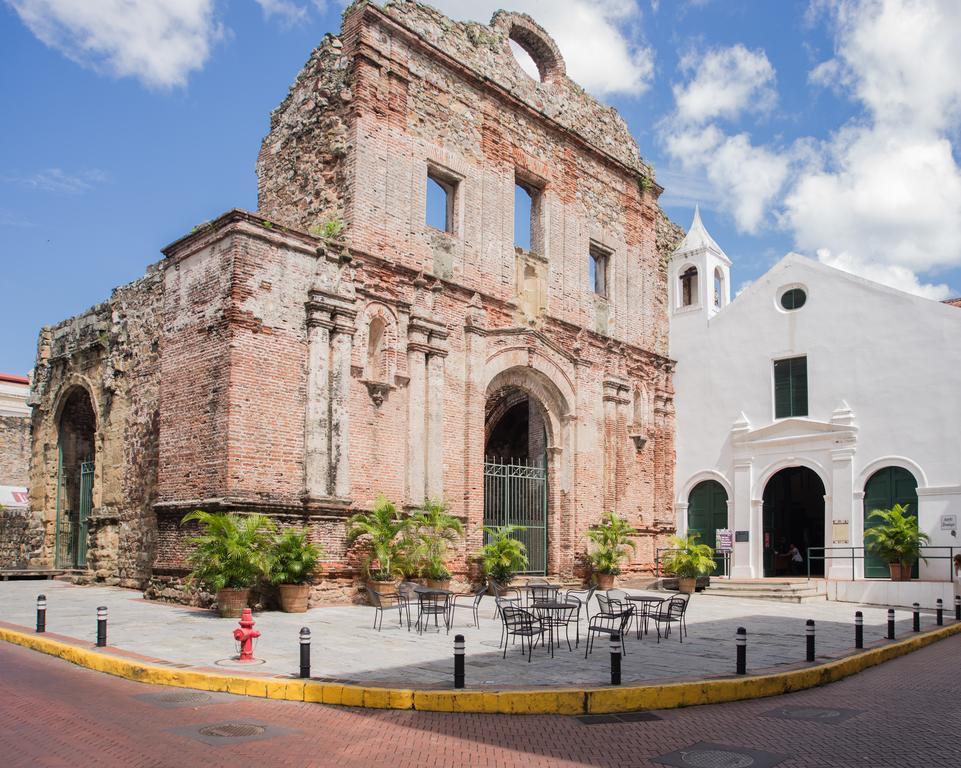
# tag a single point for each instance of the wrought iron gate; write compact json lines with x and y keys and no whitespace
{"x":72,"y":523}
{"x":516,"y":494}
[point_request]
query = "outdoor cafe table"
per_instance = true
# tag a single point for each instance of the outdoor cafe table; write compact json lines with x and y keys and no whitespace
{"x":554,"y":606}
{"x":436,"y":601}
{"x":647,"y":602}
{"x":540,"y":592}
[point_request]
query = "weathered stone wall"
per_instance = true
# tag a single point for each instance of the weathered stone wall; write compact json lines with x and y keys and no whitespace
{"x":112,"y":352}
{"x":14,"y":450}
{"x":21,"y":538}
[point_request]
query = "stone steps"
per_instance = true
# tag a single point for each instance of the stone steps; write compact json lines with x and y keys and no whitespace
{"x":779,"y":591}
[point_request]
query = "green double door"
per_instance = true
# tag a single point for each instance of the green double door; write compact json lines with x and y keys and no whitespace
{"x":706,"y":513}
{"x":885,"y":488}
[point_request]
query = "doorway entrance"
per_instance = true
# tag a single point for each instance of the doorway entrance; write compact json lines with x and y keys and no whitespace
{"x":515,"y":471}
{"x":793,"y":515}
{"x":706,"y":514}
{"x":884,"y":489}
{"x":75,"y":470}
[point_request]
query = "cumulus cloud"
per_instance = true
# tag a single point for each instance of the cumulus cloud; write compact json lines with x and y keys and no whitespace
{"x":723,"y":85}
{"x":286,"y":11}
{"x":884,"y":200}
{"x":600,"y":54}
{"x":158,"y":43}
{"x":60,"y":181}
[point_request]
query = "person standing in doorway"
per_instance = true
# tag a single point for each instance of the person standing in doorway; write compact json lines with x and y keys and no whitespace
{"x":797,"y":559}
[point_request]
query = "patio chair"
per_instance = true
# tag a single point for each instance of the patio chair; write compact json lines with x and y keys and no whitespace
{"x":541,"y":592}
{"x":523,"y":624}
{"x":436,"y":604}
{"x":470,"y":600}
{"x":621,"y":596}
{"x":380,"y":601}
{"x":584,"y":596}
{"x":555,"y":618}
{"x":407,"y":591}
{"x":671,"y":612}
{"x":506,"y":594}
{"x":613,"y":618}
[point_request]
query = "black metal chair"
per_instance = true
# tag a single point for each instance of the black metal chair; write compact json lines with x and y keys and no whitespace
{"x":583,"y":597}
{"x":471,"y":601}
{"x":505,"y":594}
{"x":621,"y":596}
{"x":669,"y":612}
{"x":554,"y":618}
{"x":407,"y":592}
{"x":613,"y":618}
{"x":541,"y":592}
{"x":526,"y":626}
{"x":433,"y":603}
{"x":381,"y":601}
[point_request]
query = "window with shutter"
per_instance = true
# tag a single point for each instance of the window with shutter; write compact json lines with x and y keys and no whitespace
{"x":790,"y":387}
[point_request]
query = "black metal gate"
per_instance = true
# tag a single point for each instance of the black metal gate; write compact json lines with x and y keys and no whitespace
{"x":516,"y":494}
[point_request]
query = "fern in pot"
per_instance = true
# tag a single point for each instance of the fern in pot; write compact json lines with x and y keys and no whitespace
{"x":689,"y":561}
{"x":294,"y":558}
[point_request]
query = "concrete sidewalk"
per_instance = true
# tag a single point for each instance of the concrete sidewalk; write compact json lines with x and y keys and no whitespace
{"x":346,"y":648}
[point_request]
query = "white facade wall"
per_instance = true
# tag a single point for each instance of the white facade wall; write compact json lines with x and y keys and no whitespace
{"x":884,"y":389}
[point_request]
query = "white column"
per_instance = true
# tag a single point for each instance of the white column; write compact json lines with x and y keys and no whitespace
{"x":743,"y":566}
{"x":317,"y":426}
{"x":838,"y":507}
{"x":340,"y":408}
{"x":435,"y":425}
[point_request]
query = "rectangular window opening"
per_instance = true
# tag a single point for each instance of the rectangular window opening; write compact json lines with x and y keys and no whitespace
{"x":441,"y":197}
{"x":523,"y":215}
{"x":790,"y":387}
{"x":597,"y":270}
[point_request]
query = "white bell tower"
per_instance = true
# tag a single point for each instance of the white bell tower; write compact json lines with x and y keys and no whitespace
{"x":699,"y":274}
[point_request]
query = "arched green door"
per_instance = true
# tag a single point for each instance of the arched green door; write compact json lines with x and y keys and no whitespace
{"x":706,"y":512}
{"x":884,"y":489}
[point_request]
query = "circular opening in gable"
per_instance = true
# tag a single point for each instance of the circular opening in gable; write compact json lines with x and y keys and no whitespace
{"x":526,"y":61}
{"x":793,"y":298}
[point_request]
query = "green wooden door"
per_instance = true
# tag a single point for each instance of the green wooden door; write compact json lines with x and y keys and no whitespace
{"x":706,"y":513}
{"x":885,"y":488}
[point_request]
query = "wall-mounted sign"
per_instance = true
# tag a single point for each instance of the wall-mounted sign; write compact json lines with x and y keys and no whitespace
{"x":949,"y":522}
{"x":724,"y":540}
{"x":841,"y":532}
{"x":742,"y":535}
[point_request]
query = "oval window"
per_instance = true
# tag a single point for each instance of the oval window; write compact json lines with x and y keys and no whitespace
{"x":793,"y":299}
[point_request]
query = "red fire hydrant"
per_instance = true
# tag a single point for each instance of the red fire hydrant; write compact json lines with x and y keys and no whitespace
{"x":246,"y":635}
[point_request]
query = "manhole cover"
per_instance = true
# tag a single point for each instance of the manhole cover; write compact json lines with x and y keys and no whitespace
{"x":814,"y":714}
{"x":233,"y":730}
{"x":187,"y":697}
{"x":712,"y":758}
{"x":706,"y":755}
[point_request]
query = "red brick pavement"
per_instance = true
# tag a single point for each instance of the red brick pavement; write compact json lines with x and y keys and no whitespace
{"x":55,"y":714}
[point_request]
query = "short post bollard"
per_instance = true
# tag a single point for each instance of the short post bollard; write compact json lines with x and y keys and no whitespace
{"x":940,"y":614}
{"x":740,"y":642}
{"x":957,"y":607}
{"x":858,"y":629}
{"x":615,"y":659}
{"x":305,"y":652}
{"x":101,"y":626}
{"x":890,"y":623}
{"x":459,"y":648}
{"x":917,"y":616}
{"x":809,"y":632}
{"x":41,"y":613}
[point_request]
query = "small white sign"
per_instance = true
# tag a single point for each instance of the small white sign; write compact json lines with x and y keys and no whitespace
{"x":949,"y":522}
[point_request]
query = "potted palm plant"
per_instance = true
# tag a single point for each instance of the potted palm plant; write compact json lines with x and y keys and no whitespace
{"x":384,"y":529}
{"x":688,"y":560}
{"x":611,"y":540}
{"x":435,"y":529}
{"x":231,"y":554}
{"x":896,"y":539}
{"x":503,"y":555}
{"x":293,"y":558}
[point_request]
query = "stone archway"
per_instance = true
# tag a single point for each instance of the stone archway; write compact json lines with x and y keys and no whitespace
{"x":793,"y":514}
{"x":76,"y":456}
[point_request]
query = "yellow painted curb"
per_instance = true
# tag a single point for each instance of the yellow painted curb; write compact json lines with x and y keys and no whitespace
{"x":555,"y":701}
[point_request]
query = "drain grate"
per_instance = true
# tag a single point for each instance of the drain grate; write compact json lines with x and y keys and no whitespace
{"x":623,"y":717}
{"x":706,"y":755}
{"x":233,"y":730}
{"x":813,"y":714}
{"x":188,"y":697}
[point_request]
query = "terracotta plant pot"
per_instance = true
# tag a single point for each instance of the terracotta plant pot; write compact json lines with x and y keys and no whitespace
{"x":686,"y":585}
{"x":382,"y":587}
{"x":231,"y":602}
{"x":900,"y":572}
{"x":604,"y":581}
{"x":293,"y":597}
{"x":438,"y":583}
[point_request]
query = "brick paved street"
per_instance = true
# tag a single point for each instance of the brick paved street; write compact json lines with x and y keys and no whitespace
{"x":345,"y":646}
{"x":55,"y":714}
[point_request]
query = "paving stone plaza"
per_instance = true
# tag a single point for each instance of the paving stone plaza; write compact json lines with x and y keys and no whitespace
{"x":346,"y":648}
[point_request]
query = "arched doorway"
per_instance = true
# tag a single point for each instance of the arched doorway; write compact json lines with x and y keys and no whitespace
{"x":884,"y":489}
{"x":706,"y":513}
{"x":75,"y":466}
{"x":515,"y":469}
{"x":793,"y":514}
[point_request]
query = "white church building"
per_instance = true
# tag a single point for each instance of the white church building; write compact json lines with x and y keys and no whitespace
{"x":805,"y":403}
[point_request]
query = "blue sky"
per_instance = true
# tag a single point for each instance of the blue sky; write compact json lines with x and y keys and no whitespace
{"x":830,"y":128}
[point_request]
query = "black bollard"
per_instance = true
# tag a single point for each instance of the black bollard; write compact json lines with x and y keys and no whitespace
{"x":957,"y":607}
{"x":305,"y":652}
{"x":615,"y":659}
{"x":809,"y":632}
{"x":917,"y":616}
{"x":858,"y":629}
{"x":890,"y":623}
{"x":459,"y":661}
{"x":940,"y":616}
{"x":41,"y":613}
{"x":740,"y":642}
{"x":101,"y":626}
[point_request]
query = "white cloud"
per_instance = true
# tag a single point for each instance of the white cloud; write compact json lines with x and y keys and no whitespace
{"x":59,"y":181}
{"x":600,"y":55}
{"x":726,"y":83}
{"x":160,"y":43}
{"x":287,"y":11}
{"x":884,"y":200}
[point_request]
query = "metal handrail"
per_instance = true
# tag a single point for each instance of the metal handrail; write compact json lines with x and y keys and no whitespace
{"x":853,"y":556}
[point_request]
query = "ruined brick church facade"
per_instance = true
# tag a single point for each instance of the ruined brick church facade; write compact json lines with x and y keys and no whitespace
{"x":302,"y":359}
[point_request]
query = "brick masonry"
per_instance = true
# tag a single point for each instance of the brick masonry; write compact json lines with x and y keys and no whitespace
{"x":301,"y":360}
